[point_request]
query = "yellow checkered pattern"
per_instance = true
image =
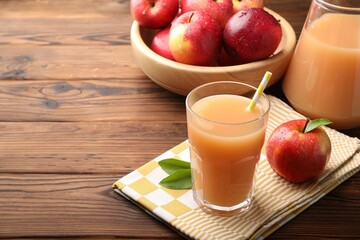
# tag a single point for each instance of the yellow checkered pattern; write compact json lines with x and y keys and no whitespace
{"x":142,"y":185}
{"x":276,"y":201}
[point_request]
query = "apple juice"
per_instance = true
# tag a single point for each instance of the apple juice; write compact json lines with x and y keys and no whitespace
{"x":323,"y":79}
{"x":226,"y":142}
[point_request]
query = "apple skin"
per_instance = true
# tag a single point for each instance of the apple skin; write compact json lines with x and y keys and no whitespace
{"x":195,"y":38}
{"x":243,"y":4}
{"x":298,"y":156}
{"x":154,"y":13}
{"x":252,"y":34}
{"x":220,"y":10}
{"x":226,"y":60}
{"x":160,"y":44}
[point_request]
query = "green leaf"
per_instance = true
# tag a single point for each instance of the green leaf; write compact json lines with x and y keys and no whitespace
{"x":180,"y":179}
{"x":171,"y":165}
{"x":312,"y":124}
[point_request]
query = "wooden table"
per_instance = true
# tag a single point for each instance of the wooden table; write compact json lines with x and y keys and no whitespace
{"x":75,"y":108}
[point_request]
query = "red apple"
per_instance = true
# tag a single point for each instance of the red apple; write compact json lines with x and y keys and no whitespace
{"x":160,"y":44}
{"x":251,"y":35}
{"x":296,"y":155}
{"x":195,"y":38}
{"x":154,"y":13}
{"x":227,"y":60}
{"x":243,"y":4}
{"x":220,"y":10}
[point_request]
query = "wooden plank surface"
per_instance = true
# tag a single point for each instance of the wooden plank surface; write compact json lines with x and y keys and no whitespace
{"x":84,"y":147}
{"x":63,"y":31}
{"x":68,"y":63}
{"x":49,"y":205}
{"x":58,"y":22}
{"x":91,"y":100}
{"x":77,"y":113}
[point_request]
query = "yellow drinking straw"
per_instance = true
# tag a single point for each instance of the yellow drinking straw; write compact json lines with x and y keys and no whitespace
{"x":260,"y":90}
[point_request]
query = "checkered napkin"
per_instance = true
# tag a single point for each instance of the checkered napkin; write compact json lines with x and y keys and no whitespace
{"x":276,"y":201}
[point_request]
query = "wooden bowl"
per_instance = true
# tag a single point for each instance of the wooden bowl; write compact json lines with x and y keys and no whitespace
{"x":182,"y":78}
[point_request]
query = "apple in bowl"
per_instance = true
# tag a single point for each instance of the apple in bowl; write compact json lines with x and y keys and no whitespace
{"x":251,"y":35}
{"x":154,"y":13}
{"x":160,"y":44}
{"x":239,"y":5}
{"x":195,"y":38}
{"x":221,"y":11}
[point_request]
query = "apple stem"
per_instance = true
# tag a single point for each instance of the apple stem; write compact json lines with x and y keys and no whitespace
{"x":192,"y":14}
{"x":145,"y":10}
{"x":151,"y":4}
{"x":307,"y":121}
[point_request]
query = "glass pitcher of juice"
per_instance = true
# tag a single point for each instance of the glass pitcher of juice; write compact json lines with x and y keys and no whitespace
{"x":323,"y":78}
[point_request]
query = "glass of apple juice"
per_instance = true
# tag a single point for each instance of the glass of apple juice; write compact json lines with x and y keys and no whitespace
{"x":225,"y":140}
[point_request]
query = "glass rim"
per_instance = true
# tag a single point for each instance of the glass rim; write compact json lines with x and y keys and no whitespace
{"x":338,"y":8}
{"x":263,"y":95}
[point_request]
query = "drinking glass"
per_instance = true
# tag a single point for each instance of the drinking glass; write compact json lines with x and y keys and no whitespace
{"x":323,"y":78}
{"x":225,"y":144}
